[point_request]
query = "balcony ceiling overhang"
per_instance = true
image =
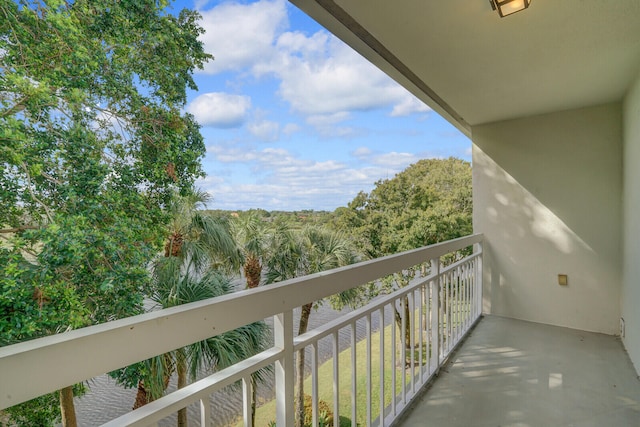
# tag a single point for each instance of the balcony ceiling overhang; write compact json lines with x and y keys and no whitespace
{"x":474,"y":67}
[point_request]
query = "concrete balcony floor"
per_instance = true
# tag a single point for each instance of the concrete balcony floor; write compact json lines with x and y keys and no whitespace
{"x":516,"y":373}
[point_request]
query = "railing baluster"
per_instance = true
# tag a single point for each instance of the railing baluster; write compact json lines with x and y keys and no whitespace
{"x":421,"y":327}
{"x":354,"y":376}
{"x":456,"y":303}
{"x":369,"y":383}
{"x":284,"y":369}
{"x":448,"y":308}
{"x":403,"y":349}
{"x":427,"y":327}
{"x":412,"y":340}
{"x":452,"y":307}
{"x":393,"y":360}
{"x":465,"y":299}
{"x":205,"y":412}
{"x":469,"y":297}
{"x":382,"y":357}
{"x":435,"y":315}
{"x":478,"y":282}
{"x":314,"y":382}
{"x":336,"y":381}
{"x":246,"y":401}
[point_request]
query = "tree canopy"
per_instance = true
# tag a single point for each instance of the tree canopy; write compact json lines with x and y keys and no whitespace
{"x":427,"y":203}
{"x":93,"y":141}
{"x":93,"y":144}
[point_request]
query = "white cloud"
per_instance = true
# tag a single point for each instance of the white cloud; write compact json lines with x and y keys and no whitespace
{"x":321,"y":75}
{"x":290,"y":129}
{"x":279,"y":179}
{"x":362,"y":152}
{"x":239,"y":35}
{"x":266,"y":130}
{"x":231,"y":154}
{"x":320,"y":120}
{"x":318,"y":74}
{"x":409,"y":105}
{"x":395,"y":160}
{"x":219,"y":109}
{"x":325,"y":125}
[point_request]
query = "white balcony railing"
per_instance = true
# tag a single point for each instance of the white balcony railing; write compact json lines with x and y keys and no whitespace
{"x":434,"y":311}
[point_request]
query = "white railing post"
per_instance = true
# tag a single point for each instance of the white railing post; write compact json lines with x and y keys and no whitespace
{"x":283,"y":339}
{"x":247,"y":392}
{"x":205,"y":412}
{"x":477,"y":248}
{"x":435,"y":315}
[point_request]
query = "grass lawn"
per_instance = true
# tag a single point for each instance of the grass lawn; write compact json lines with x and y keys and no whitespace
{"x":266,"y":412}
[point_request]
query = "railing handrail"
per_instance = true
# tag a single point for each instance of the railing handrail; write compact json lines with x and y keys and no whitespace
{"x":328,"y":328}
{"x":63,"y":359}
{"x":149,"y":413}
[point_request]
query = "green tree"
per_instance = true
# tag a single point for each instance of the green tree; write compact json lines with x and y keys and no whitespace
{"x":93,"y":142}
{"x":198,"y":240}
{"x":429,"y":202}
{"x":196,"y":245}
{"x":298,"y":253}
{"x":214,"y":353}
{"x":252,"y":235}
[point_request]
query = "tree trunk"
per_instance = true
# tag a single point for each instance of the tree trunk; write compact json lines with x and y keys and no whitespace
{"x":302,"y":328}
{"x":67,"y":410}
{"x":407,"y":324}
{"x":252,"y":272}
{"x":181,"y":368}
{"x":254,"y":400}
{"x":142,"y":397}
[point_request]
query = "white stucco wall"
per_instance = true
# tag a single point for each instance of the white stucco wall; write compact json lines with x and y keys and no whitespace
{"x":630,"y":301}
{"x":547,"y":195}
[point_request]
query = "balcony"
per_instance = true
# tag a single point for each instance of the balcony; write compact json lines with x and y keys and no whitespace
{"x":438,"y":307}
{"x":508,"y":372}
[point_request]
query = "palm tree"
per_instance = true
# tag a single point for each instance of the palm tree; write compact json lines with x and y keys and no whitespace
{"x":198,"y":239}
{"x":198,"y":246}
{"x":175,"y":288}
{"x":252,"y":235}
{"x":311,"y":250}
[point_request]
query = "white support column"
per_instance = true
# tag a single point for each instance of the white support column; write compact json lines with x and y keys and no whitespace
{"x":283,"y":337}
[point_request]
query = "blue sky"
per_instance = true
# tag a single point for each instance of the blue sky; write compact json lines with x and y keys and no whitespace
{"x":294,"y":119}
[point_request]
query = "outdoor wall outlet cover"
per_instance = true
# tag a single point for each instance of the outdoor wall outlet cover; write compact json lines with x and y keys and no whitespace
{"x":563,"y":280}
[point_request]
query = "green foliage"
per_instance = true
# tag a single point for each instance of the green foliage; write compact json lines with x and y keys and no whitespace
{"x":325,"y":414}
{"x":42,"y":411}
{"x":312,"y":249}
{"x":33,"y":303}
{"x":93,"y":144}
{"x":429,"y":202}
{"x":88,"y":103}
{"x":198,"y":245}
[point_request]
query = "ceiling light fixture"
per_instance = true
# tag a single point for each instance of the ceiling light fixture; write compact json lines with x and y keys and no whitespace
{"x":509,"y":7}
